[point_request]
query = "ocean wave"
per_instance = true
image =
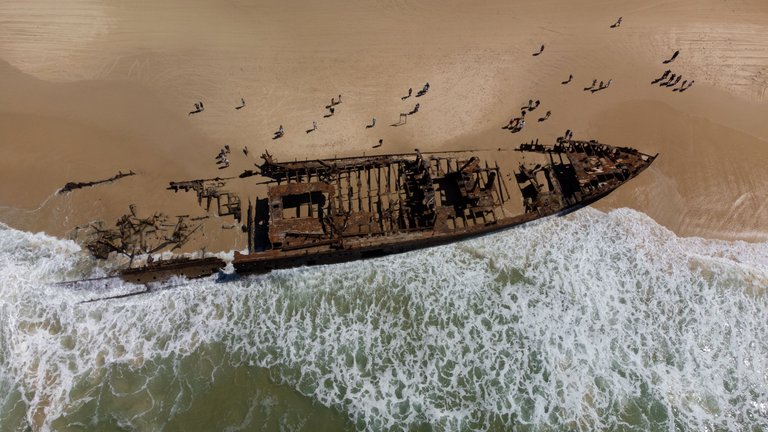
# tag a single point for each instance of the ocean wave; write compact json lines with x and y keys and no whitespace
{"x":590,"y":321}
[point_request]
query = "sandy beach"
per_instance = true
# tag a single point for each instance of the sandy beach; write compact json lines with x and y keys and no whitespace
{"x":91,"y":88}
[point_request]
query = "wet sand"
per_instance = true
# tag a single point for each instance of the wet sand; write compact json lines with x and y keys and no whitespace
{"x":90,"y":88}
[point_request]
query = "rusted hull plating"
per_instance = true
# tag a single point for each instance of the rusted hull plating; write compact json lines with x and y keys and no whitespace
{"x":191,"y":269}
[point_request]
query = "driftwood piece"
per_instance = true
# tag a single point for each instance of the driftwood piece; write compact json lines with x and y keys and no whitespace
{"x":79,"y":185}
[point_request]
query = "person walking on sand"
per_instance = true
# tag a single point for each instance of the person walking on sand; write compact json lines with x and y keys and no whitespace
{"x":662,"y":77}
{"x":410,"y":92}
{"x":671,"y":59}
{"x":314,"y":125}
{"x":339,"y":100}
{"x":197,"y":110}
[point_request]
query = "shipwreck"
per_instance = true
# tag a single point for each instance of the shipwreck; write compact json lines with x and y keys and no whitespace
{"x":328,"y":211}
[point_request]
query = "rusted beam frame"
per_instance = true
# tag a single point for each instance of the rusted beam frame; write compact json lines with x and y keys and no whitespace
{"x":370,"y":199}
{"x":359,"y":189}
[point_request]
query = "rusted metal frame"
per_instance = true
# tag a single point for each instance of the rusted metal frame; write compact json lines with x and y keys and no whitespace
{"x":359,"y":189}
{"x":309,"y":245}
{"x":464,"y":218}
{"x":483,"y":176}
{"x":497,"y":200}
{"x":370,"y":198}
{"x":350,"y":192}
{"x":380,"y":205}
{"x":249,"y":225}
{"x":310,"y":212}
{"x":502,"y":182}
{"x":398,"y":192}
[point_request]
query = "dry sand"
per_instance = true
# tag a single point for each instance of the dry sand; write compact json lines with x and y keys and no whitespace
{"x":91,"y":87}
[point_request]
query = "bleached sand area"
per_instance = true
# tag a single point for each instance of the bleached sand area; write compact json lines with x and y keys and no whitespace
{"x":91,"y":87}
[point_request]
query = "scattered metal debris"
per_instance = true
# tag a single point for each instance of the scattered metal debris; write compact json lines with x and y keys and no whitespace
{"x":134,"y":236}
{"x":227,"y":203}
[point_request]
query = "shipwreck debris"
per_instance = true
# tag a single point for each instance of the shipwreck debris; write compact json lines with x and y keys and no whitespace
{"x":70,"y":186}
{"x":327,"y":211}
{"x":133,"y":236}
{"x":227,"y":203}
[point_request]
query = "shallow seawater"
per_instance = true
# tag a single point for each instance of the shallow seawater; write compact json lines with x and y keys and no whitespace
{"x":593,"y":321}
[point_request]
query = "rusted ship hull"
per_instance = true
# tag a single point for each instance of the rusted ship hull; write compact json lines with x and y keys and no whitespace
{"x":328,"y":211}
{"x":264,"y":263}
{"x":160,"y":271}
{"x":589,"y":172}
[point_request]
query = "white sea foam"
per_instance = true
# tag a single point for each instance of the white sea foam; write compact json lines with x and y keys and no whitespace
{"x":592,"y":321}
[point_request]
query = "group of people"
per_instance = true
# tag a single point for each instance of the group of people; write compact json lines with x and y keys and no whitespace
{"x":331,"y":107}
{"x":404,"y":115}
{"x":200,"y":108}
{"x":421,"y":92}
{"x":595,"y":87}
{"x":516,"y":124}
{"x":669,"y":79}
{"x":222,"y":159}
